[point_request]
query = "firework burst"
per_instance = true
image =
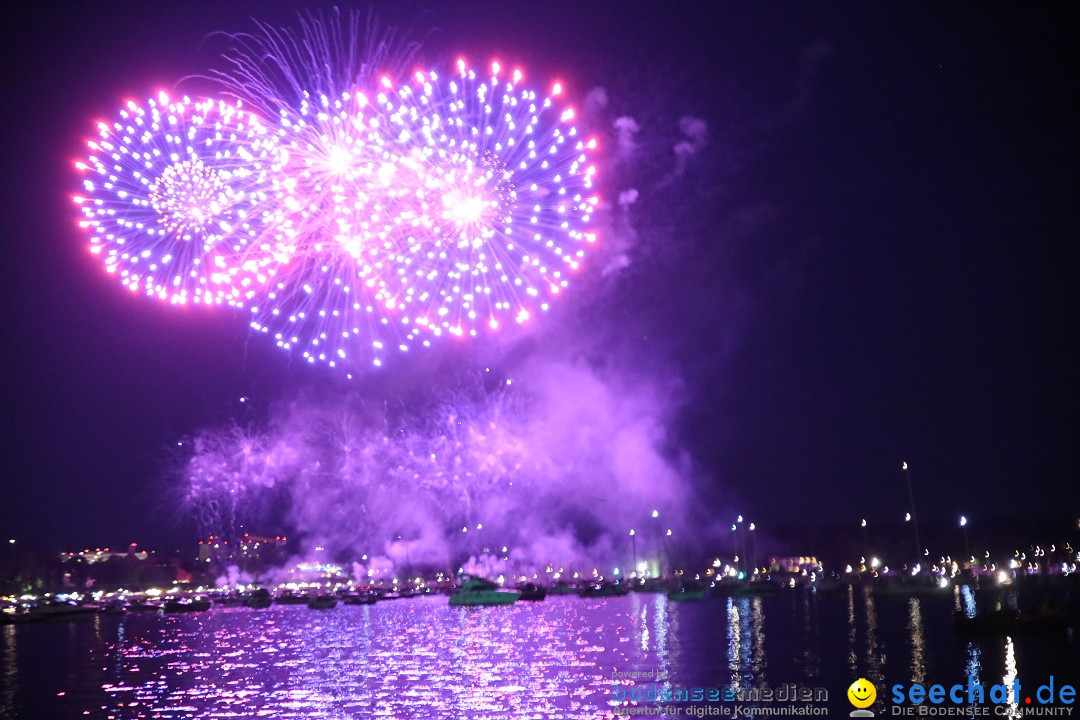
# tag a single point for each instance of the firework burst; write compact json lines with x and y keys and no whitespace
{"x":184,"y":201}
{"x":443,"y":206}
{"x":355,"y":214}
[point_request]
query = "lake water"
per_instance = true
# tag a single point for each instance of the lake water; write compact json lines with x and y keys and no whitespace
{"x":419,"y":658}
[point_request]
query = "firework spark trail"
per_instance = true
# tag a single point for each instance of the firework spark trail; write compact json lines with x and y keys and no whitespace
{"x":278,"y":69}
{"x":183,"y":200}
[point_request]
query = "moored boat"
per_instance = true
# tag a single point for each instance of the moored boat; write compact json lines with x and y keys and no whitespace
{"x":531,"y":591}
{"x":1005,"y":622}
{"x":259,"y":599}
{"x":687,"y":591}
{"x":604,"y":589}
{"x":322,"y":602}
{"x":478,"y":591}
{"x":186,"y":605}
{"x":363,"y":597}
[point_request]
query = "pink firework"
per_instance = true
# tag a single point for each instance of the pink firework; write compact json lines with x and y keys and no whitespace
{"x":448,"y":205}
{"x":184,"y":200}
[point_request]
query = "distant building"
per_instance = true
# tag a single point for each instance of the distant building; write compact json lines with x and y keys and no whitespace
{"x":250,"y":552}
{"x":98,"y":555}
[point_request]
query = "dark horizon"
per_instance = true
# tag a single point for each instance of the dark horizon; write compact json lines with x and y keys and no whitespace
{"x":878,"y":263}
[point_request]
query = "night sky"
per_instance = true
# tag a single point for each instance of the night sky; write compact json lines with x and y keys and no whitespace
{"x":879,"y":262}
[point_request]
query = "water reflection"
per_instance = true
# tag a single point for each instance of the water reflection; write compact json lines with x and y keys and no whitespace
{"x":874,"y":659}
{"x":852,"y":657}
{"x":1013,"y":710}
{"x":805,"y":619}
{"x":9,"y":671}
{"x":918,"y":642}
{"x":735,"y":644}
{"x":757,"y":631}
{"x":420,"y":658}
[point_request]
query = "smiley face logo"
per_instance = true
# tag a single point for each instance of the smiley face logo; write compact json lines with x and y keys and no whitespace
{"x":861,"y":694}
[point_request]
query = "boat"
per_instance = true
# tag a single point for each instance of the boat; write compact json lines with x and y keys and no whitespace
{"x":604,"y":590}
{"x":651,"y":585}
{"x":144,"y":605}
{"x":912,"y":587}
{"x":114,"y":606}
{"x":290,"y":598}
{"x":259,"y":599}
{"x":62,"y":610}
{"x":186,"y":605}
{"x":531,"y":591}
{"x":1008,"y":622}
{"x":756,"y":588}
{"x":686,"y":592}
{"x":477,"y":591}
{"x":368,"y":597}
{"x":15,"y":614}
{"x":322,"y":602}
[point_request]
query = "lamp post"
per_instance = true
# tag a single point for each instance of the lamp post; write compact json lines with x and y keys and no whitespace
{"x":633,"y":544}
{"x":967,"y":546}
{"x":739,"y":562}
{"x":751,"y":555}
{"x":742,"y":540}
{"x":667,"y":549}
{"x":914,"y":521}
{"x":659,"y":556}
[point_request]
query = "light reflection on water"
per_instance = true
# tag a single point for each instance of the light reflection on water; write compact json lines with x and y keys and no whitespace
{"x":422,"y":659}
{"x":9,"y":671}
{"x":918,"y":641}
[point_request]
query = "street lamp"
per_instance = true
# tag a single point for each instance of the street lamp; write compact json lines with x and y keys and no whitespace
{"x":914,"y":522}
{"x":751,"y":555}
{"x":967,"y":546}
{"x":659,"y":548}
{"x":633,"y":543}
